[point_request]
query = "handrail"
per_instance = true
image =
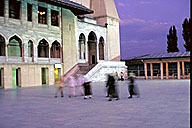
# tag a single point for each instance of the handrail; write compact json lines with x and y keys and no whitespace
{"x":101,"y":64}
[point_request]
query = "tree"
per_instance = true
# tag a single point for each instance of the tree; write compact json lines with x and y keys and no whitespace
{"x":172,"y":40}
{"x":187,"y":34}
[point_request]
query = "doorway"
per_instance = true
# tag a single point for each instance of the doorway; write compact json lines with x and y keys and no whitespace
{"x":57,"y":74}
{"x":92,"y":48}
{"x":44,"y":76}
{"x":16,"y":77}
{"x":1,"y":78}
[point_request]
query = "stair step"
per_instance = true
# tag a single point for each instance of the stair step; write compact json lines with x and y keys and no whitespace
{"x":85,"y":69}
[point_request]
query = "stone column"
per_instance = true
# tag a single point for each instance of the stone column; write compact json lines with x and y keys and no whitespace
{"x":22,"y":54}
{"x":167,"y":71}
{"x":61,"y":55}
{"x":49,"y":17}
{"x":178,"y":70}
{"x":6,"y":50}
{"x":6,"y":11}
{"x":151,"y":68}
{"x":24,"y":13}
{"x":161,"y":70}
{"x":183,"y":69}
{"x":35,"y":15}
{"x":145,"y":66}
{"x":49,"y":54}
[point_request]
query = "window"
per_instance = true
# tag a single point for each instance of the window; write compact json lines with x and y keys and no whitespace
{"x":2,"y":46}
{"x":43,"y":49}
{"x":30,"y":49}
{"x":42,"y":15}
{"x":2,"y":6}
{"x":55,"y":50}
{"x":14,"y":9}
{"x":81,"y":46}
{"x":29,"y":12}
{"x":14,"y":47}
{"x":54,"y":18}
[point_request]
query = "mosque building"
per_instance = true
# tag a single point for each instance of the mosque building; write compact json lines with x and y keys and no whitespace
{"x":41,"y":40}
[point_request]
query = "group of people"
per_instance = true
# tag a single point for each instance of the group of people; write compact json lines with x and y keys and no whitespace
{"x":112,"y":87}
{"x":81,"y":86}
{"x":78,"y":86}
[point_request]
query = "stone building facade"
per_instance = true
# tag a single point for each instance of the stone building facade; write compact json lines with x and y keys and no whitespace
{"x":42,"y":40}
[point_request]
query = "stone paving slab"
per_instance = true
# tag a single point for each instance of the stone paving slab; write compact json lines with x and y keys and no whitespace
{"x":163,"y":104}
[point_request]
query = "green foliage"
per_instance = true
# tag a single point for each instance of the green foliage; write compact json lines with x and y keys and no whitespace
{"x":172,"y":40}
{"x":187,"y":34}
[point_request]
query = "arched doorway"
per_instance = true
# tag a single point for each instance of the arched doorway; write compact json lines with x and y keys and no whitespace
{"x":81,"y":46}
{"x":43,"y":49}
{"x":31,"y":50}
{"x":92,"y":48}
{"x":101,"y":48}
{"x":2,"y":46}
{"x":55,"y":50}
{"x":15,"y":47}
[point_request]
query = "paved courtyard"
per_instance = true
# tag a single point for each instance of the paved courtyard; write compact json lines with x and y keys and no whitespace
{"x":163,"y":104}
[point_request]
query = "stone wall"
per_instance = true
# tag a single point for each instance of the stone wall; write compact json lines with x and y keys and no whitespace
{"x":69,"y":39}
{"x":30,"y":75}
{"x":86,"y":28}
{"x":30,"y":30}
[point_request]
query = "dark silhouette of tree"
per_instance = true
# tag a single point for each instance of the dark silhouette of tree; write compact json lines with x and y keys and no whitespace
{"x":172,"y":40}
{"x":187,"y":34}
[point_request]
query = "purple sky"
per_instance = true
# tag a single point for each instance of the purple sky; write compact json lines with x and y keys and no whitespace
{"x":144,"y":25}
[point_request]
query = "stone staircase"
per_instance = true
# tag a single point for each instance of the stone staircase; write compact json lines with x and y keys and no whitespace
{"x":100,"y":71}
{"x":97,"y":72}
{"x":85,"y":68}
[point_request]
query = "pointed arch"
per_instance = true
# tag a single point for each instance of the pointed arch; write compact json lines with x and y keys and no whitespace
{"x":15,"y":46}
{"x":82,"y":46}
{"x":92,"y":37}
{"x":43,"y":49}
{"x":92,"y":48}
{"x":55,"y":50}
{"x":2,"y":45}
{"x":101,"y":48}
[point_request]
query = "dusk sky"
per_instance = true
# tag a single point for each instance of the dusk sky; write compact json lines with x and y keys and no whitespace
{"x":144,"y":25}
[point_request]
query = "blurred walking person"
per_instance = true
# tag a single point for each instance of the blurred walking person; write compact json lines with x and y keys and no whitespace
{"x":71,"y":83}
{"x":80,"y":81}
{"x":132,"y":86}
{"x":112,"y":90}
{"x":87,"y":89}
{"x":59,"y":84}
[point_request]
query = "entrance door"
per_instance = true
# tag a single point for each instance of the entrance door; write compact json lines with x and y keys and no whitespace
{"x":92,"y":48}
{"x":16,"y":77}
{"x":1,"y":78}
{"x":92,"y":53}
{"x":44,"y":76}
{"x":57,"y":74}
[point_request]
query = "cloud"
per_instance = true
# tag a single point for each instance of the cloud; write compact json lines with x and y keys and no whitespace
{"x":131,"y":21}
{"x":123,"y":4}
{"x":145,"y":2}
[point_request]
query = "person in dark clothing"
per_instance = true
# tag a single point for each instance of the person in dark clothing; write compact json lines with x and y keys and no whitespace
{"x":112,"y":91}
{"x":132,"y":87}
{"x":87,"y":89}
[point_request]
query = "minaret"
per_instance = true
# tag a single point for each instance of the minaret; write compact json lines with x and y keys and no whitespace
{"x":86,"y":3}
{"x":105,"y":12}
